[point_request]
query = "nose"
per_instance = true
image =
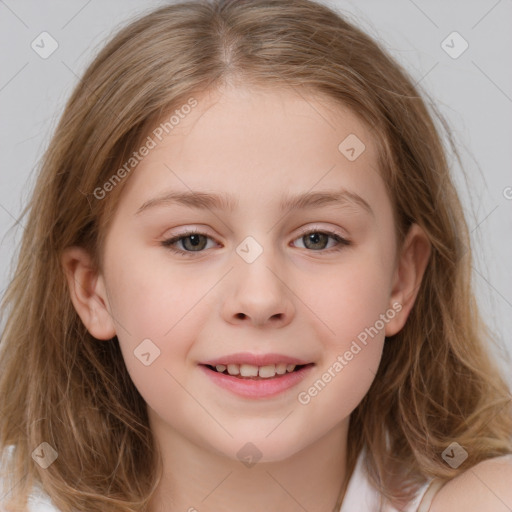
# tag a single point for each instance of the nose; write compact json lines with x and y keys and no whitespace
{"x":259,"y":293}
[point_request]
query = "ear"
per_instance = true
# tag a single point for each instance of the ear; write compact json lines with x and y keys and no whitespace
{"x":411,"y":264}
{"x":88,"y":293}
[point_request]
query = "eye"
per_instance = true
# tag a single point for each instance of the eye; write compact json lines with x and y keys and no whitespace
{"x":192,"y":241}
{"x":316,"y":240}
{"x":195,"y":241}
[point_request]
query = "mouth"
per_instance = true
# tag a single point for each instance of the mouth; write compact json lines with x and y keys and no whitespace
{"x":253,"y":372}
{"x":256,"y":382}
{"x":256,"y":376}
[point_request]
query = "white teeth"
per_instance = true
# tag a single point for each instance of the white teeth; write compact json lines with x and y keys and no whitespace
{"x":266,"y":372}
{"x":250,"y":370}
{"x":233,"y":369}
{"x":281,"y":368}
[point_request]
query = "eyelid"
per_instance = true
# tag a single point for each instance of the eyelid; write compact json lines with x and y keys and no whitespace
{"x":316,"y":228}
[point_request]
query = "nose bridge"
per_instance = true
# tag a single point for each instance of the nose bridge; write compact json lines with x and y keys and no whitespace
{"x":259,"y":292}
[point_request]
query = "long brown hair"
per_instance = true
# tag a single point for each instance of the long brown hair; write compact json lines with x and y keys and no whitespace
{"x":436,"y":383}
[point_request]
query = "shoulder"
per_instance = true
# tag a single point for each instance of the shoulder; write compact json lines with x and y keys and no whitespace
{"x":485,"y":486}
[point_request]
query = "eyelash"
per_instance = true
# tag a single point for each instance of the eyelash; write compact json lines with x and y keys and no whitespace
{"x":342,"y":242}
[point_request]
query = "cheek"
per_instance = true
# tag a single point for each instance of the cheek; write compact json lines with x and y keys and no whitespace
{"x":353,"y":306}
{"x":349,"y":298}
{"x":157,"y":317}
{"x":151,"y":295}
{"x":340,"y":385}
{"x":162,"y":326}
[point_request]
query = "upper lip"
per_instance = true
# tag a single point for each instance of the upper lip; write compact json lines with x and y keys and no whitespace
{"x":254,"y":359}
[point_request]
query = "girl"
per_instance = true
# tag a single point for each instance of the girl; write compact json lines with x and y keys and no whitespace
{"x":244,"y":284}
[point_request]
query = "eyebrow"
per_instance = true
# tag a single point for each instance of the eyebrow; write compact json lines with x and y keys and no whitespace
{"x":209,"y":201}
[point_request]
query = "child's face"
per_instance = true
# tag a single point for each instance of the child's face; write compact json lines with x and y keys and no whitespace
{"x":277,"y":292}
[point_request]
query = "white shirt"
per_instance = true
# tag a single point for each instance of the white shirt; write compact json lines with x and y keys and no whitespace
{"x":38,"y":501}
{"x":361,"y":496}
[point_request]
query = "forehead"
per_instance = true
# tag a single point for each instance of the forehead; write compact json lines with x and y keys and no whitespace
{"x":256,"y":143}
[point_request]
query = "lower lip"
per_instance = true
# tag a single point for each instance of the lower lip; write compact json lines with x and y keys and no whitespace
{"x":258,"y":388}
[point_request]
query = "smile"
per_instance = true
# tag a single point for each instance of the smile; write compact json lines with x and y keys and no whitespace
{"x":249,"y":370}
{"x":256,"y":382}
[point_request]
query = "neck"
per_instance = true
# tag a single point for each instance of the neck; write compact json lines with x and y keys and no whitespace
{"x":197,"y":479}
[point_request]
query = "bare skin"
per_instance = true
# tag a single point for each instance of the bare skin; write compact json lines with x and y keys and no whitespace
{"x":300,"y":297}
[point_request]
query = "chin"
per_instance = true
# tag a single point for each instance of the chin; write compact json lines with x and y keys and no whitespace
{"x":258,"y":448}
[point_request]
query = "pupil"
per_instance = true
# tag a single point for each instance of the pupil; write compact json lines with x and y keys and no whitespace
{"x":316,"y":238}
{"x":193,"y":239}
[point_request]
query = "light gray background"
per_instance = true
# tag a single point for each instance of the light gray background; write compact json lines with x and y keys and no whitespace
{"x":474,"y":92}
